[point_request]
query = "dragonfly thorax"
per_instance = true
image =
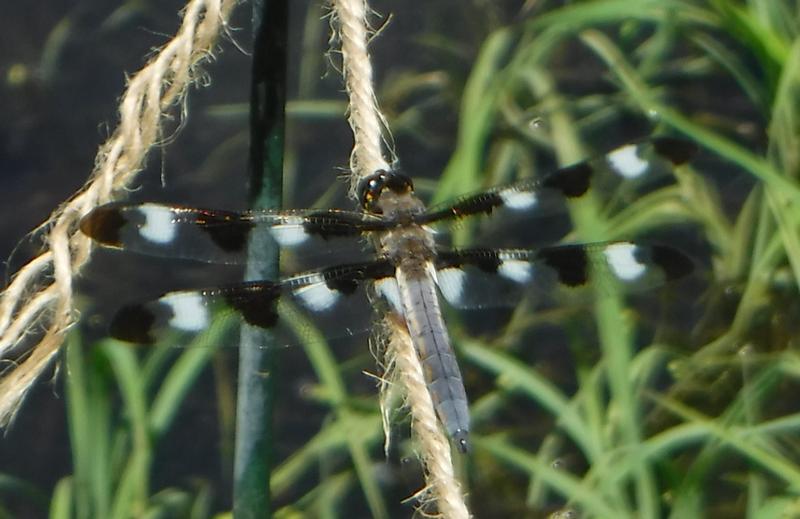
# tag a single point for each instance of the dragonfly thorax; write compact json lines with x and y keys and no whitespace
{"x":408,"y":242}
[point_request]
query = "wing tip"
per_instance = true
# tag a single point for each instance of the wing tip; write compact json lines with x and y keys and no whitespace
{"x":103,"y":225}
{"x":676,"y":150}
{"x":675,"y":263}
{"x":133,"y":323}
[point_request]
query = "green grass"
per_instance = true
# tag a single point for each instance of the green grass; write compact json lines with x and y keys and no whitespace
{"x":634,"y":418}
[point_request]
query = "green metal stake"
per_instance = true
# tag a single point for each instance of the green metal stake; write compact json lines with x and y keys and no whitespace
{"x":254,"y":435}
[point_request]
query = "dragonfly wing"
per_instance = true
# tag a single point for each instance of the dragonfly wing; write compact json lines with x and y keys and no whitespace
{"x":322,"y":295}
{"x":629,"y":166}
{"x":216,"y":236}
{"x":485,"y":278}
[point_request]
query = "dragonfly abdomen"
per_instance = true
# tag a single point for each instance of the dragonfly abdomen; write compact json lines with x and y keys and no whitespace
{"x":420,"y":302}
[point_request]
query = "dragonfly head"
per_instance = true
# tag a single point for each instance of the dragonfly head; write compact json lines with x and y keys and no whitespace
{"x":372,"y":187}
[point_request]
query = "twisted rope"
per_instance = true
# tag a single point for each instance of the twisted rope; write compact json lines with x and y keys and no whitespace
{"x":366,"y":158}
{"x":364,"y":115}
{"x":40,"y":294}
{"x":442,"y":485}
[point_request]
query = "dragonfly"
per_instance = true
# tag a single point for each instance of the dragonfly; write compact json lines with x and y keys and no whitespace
{"x":409,"y":270}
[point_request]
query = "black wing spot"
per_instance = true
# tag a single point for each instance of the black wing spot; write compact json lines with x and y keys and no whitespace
{"x":345,"y":285}
{"x":232,"y":238}
{"x":674,"y":263}
{"x":479,"y":204}
{"x":327,"y":225}
{"x":103,"y":225}
{"x":570,"y":263}
{"x":227,"y":230}
{"x":572,"y":181}
{"x":486,"y":260}
{"x":133,"y":323}
{"x":347,"y":280}
{"x":677,"y":151}
{"x":258,"y":303}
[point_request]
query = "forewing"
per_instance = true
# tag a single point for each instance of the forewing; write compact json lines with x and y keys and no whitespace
{"x":493,"y":278}
{"x":215,"y":236}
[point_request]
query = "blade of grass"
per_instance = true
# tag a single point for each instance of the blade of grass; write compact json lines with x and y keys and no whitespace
{"x":478,"y":106}
{"x":698,"y":428}
{"x":333,"y":437}
{"x":648,"y":103}
{"x":756,"y":486}
{"x":614,"y":330}
{"x":62,"y":505}
{"x":325,"y":367}
{"x":763,"y":41}
{"x":571,"y":488}
{"x":133,"y":492}
{"x":88,"y":417}
{"x":733,"y":437}
{"x":516,"y":376}
{"x":574,"y":17}
{"x":21,"y":489}
{"x":753,"y":87}
{"x":331,"y":494}
{"x":182,"y":375}
{"x":784,"y":142}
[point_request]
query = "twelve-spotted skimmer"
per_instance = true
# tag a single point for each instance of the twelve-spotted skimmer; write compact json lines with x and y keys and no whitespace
{"x":408,"y":266}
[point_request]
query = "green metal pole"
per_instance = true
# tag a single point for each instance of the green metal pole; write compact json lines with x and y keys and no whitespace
{"x":254,"y":435}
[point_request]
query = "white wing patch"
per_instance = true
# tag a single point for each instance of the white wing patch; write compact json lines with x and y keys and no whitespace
{"x":622,"y":260}
{"x":188,"y":312}
{"x":518,"y":200}
{"x":516,"y":270}
{"x":317,"y":296}
{"x":626,"y":162}
{"x":289,"y":233}
{"x":451,"y":284}
{"x":387,"y":287}
{"x":159,"y":225}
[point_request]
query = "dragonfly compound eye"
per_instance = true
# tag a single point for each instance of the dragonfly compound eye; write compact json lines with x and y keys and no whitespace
{"x":372,"y":187}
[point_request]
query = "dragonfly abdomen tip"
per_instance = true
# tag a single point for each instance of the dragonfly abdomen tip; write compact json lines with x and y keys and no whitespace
{"x":461,"y":440}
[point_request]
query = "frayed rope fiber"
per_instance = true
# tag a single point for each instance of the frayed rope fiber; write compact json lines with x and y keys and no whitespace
{"x":40,"y":295}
